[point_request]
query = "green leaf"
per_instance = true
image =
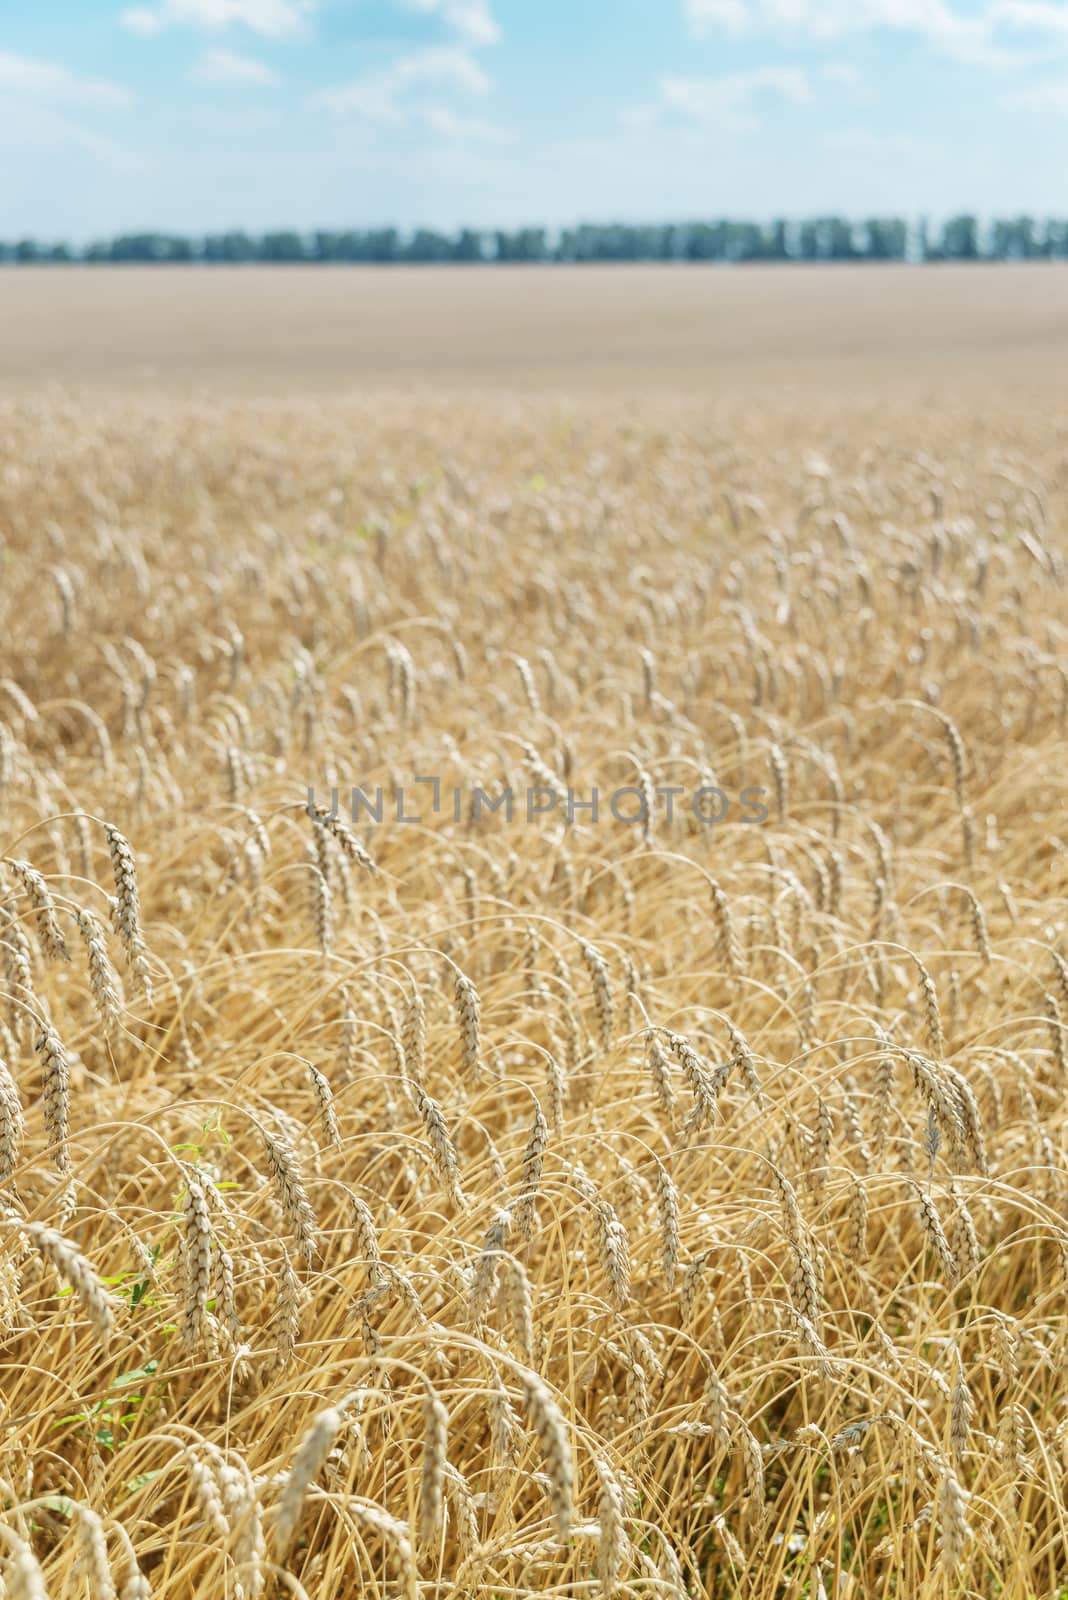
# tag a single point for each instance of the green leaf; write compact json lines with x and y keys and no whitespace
{"x":142,"y":1480}
{"x":59,"y":1504}
{"x":214,"y":1124}
{"x":82,"y":1416}
{"x":147,"y":1371}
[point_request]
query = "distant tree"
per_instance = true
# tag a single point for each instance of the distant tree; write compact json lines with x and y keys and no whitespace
{"x":324,"y":246}
{"x":842,"y":240}
{"x":885,"y":239}
{"x":133,"y":247}
{"x":151,"y":247}
{"x":649,"y":243}
{"x":468,"y":246}
{"x":960,"y":239}
{"x":1015,"y":240}
{"x":705,"y":241}
{"x":748,"y":241}
{"x":284,"y":246}
{"x":1055,"y":240}
{"x":383,"y":244}
{"x":828,"y":238}
{"x":1043,"y":241}
{"x":230,"y":247}
{"x":352,"y":246}
{"x":776,"y":245}
{"x":426,"y":245}
{"x":672,"y":242}
{"x":525,"y":244}
{"x":808,"y":243}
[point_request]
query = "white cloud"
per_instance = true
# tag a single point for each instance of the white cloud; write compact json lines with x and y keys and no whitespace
{"x":228,"y":119}
{"x":702,"y":14}
{"x":386,"y":96}
{"x":842,"y":72}
{"x":853,"y":86}
{"x":272,"y":18}
{"x":1051,"y":96}
{"x":472,"y":20}
{"x":970,"y":37}
{"x":727,"y":101}
{"x":449,"y":124}
{"x":639,"y":116}
{"x":225,"y":67}
{"x":139,"y":19}
{"x":43,"y":104}
{"x":46,"y":128}
{"x":48,"y":80}
{"x":1032,"y":16}
{"x":865,"y":144}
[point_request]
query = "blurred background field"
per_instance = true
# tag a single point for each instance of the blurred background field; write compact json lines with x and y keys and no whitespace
{"x":628,"y":330}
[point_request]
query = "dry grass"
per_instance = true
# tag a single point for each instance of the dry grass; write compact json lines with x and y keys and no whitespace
{"x":472,"y":1208}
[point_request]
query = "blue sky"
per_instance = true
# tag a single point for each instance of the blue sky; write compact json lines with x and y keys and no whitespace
{"x":206,"y":114}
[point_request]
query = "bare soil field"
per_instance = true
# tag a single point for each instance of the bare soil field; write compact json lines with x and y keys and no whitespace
{"x":627,"y":328}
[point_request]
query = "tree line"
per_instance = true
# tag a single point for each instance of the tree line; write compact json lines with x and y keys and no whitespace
{"x":960,"y":238}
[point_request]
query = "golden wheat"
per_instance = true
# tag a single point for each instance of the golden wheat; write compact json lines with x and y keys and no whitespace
{"x":481,"y":1188}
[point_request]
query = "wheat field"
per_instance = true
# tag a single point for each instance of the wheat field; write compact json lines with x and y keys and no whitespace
{"x":671,"y":1206}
